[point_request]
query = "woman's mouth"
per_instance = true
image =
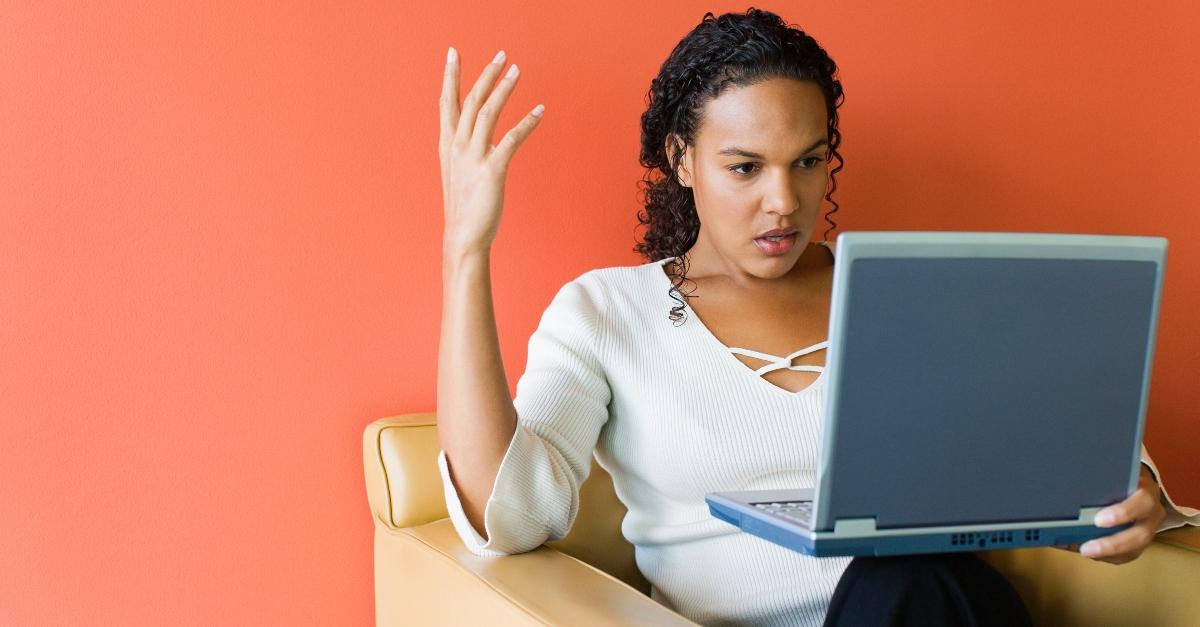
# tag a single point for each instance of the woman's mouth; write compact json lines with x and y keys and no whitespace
{"x":775,"y":245}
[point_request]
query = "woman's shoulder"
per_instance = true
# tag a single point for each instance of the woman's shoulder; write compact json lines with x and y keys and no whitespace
{"x":623,"y":275}
{"x":621,"y":286}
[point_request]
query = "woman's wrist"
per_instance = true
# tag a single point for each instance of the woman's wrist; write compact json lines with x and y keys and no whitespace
{"x":456,"y":252}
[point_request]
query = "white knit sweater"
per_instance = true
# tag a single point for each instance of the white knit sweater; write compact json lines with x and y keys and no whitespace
{"x":671,"y":414}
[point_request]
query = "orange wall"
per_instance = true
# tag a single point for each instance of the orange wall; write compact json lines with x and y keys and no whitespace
{"x":219,"y":246}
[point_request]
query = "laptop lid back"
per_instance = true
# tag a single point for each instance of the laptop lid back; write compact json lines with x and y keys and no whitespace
{"x":985,"y":377}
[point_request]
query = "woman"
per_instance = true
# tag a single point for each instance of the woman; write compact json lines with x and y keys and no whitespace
{"x":653,"y":368}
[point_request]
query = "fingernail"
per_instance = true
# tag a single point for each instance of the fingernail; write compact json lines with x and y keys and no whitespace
{"x":1090,"y":549}
{"x":512,"y":71}
{"x":499,"y":57}
{"x":1104,"y":519}
{"x":538,"y":110}
{"x":451,"y":55}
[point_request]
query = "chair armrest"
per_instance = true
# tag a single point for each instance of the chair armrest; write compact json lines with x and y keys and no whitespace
{"x":1063,"y":588}
{"x":425,"y":576}
{"x":404,"y":487}
{"x":1186,"y":538}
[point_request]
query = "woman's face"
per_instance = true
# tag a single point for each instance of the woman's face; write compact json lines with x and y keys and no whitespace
{"x":758,"y":173}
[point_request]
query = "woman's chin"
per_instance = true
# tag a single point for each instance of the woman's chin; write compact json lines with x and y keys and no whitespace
{"x":773,"y":267}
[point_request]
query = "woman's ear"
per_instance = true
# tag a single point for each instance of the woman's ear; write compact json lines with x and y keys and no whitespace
{"x":673,"y":146}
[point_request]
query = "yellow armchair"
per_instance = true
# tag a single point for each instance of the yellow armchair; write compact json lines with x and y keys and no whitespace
{"x":425,"y":576}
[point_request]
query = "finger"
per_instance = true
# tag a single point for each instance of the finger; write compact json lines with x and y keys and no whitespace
{"x":1137,"y":506}
{"x":489,"y":113}
{"x":474,"y":99}
{"x":1119,"y":547}
{"x":503,"y":153}
{"x":449,"y":101}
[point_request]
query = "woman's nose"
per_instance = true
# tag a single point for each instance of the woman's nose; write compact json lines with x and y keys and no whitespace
{"x":781,"y":197}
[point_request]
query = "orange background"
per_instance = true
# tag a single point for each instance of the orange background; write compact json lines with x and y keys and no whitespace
{"x":220,"y":235}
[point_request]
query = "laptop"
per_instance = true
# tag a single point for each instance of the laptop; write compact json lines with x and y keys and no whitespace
{"x":984,"y":391}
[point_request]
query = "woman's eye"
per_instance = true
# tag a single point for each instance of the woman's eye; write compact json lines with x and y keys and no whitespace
{"x":746,"y":169}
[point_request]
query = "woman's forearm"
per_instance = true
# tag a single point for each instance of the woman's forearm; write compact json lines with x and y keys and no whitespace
{"x":475,"y":413}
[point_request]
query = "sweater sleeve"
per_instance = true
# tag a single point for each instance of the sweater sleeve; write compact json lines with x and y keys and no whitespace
{"x":561,"y":405}
{"x":1177,"y":516}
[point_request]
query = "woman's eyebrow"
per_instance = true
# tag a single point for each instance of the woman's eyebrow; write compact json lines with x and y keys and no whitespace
{"x":740,"y":152}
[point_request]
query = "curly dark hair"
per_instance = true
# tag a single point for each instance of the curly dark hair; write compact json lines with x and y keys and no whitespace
{"x":733,"y":50}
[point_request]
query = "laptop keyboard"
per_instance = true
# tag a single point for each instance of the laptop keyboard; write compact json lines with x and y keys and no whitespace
{"x":798,"y":511}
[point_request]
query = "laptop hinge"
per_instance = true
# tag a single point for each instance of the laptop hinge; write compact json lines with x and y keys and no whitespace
{"x":857,"y":526}
{"x":1087,"y":515}
{"x":854,"y":526}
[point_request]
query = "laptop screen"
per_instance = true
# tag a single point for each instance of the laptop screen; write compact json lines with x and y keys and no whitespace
{"x":980,"y":390}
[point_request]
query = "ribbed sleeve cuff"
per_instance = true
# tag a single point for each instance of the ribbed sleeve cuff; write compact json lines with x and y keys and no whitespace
{"x":510,"y":528}
{"x":1177,"y":516}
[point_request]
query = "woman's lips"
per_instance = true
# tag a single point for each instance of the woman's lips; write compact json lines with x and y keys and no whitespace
{"x":772,"y":248}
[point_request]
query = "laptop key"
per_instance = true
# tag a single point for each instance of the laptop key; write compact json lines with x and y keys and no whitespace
{"x":800,"y":511}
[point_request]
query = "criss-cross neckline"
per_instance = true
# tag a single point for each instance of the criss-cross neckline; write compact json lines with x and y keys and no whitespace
{"x":776,"y":362}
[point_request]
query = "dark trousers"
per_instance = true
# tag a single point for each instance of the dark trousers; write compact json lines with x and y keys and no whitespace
{"x":927,"y":590}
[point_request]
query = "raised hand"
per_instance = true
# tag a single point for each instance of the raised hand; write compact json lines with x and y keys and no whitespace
{"x":474,"y":169}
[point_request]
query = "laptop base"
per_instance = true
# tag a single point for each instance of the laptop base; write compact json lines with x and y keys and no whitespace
{"x":901,"y":542}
